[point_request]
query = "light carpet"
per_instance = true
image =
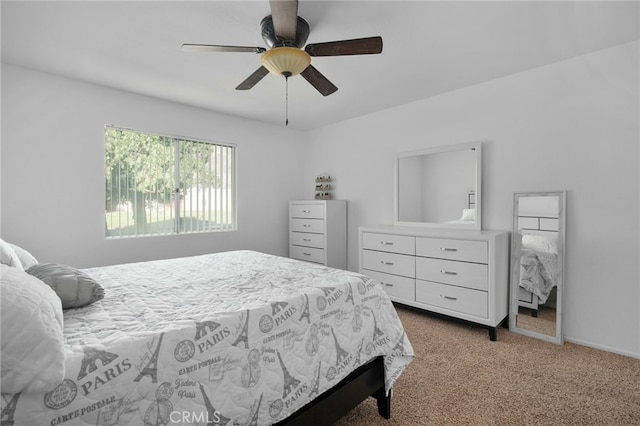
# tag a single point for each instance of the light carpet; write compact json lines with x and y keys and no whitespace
{"x":460,"y":377}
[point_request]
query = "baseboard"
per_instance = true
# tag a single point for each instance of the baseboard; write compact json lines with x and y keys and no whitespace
{"x":601,"y":347}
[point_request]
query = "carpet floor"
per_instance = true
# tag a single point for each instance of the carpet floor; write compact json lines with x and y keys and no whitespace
{"x":460,"y":377}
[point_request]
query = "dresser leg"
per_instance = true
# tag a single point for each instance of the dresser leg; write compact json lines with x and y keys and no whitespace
{"x":493,"y":334}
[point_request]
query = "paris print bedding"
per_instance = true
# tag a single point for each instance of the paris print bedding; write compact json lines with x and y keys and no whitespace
{"x":235,"y":338}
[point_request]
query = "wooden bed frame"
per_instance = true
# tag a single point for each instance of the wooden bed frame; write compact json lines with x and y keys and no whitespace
{"x":335,"y":403}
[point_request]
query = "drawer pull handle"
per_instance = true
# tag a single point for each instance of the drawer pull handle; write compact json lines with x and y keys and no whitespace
{"x":448,"y":297}
{"x":307,"y":254}
{"x":386,"y":263}
{"x":448,"y":249}
{"x":442,"y":271}
{"x":388,"y":284}
{"x":306,"y":239}
{"x":386,"y":243}
{"x":306,"y":226}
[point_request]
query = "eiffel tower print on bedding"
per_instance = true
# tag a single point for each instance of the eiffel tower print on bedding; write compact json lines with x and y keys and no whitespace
{"x":234,"y":338}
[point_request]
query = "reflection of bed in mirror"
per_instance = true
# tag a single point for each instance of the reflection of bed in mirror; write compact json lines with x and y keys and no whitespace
{"x":539,"y":260}
{"x":468,"y":215}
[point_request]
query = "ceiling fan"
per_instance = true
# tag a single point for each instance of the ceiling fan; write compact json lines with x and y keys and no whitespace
{"x":285,"y":33}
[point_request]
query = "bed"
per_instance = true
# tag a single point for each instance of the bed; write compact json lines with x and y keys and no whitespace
{"x":538,"y":261}
{"x":469,"y":214}
{"x":237,"y":338}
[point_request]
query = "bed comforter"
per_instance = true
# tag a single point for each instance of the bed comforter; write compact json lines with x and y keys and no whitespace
{"x":538,"y":273}
{"x":236,"y":338}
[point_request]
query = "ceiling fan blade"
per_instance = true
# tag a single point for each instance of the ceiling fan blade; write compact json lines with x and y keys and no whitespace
{"x":253,"y":79}
{"x":218,"y":48}
{"x":319,"y":81}
{"x":285,"y":18}
{"x":358,"y":46}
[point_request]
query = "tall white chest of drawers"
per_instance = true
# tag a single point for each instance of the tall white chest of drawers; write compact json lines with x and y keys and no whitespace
{"x":458,"y":273}
{"x":318,"y":232}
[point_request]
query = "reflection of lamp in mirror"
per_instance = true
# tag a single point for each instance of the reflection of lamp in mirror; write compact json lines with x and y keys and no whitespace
{"x":537,"y":265}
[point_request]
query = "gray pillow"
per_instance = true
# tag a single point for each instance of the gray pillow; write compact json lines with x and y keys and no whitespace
{"x":73,"y":287}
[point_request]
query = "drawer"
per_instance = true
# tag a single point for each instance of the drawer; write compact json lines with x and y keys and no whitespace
{"x":391,"y":243}
{"x":466,"y":250}
{"x":391,"y":263}
{"x":308,"y":211}
{"x":309,"y":254}
{"x":395,"y":286}
{"x":464,"y":274}
{"x":307,"y":239}
{"x":458,"y":299}
{"x":307,"y":225}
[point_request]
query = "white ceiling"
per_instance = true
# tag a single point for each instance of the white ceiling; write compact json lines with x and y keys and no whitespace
{"x":430,"y":47}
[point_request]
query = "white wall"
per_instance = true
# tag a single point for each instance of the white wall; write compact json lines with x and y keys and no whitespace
{"x":53,"y":171}
{"x":573,"y":126}
{"x":569,"y":126}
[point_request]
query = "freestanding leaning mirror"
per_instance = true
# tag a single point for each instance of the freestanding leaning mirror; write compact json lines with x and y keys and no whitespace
{"x":537,"y":265}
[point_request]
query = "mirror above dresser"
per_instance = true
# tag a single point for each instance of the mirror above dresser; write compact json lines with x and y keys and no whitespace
{"x":439,"y":187}
{"x":436,"y":257}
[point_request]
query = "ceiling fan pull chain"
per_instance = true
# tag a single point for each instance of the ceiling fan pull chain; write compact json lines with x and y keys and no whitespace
{"x":286,"y":100}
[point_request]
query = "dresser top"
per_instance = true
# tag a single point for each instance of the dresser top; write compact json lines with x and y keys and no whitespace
{"x":423,"y":231}
{"x":318,"y":202}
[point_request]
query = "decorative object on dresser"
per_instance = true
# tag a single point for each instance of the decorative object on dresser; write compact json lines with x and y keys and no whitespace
{"x":460,"y":274}
{"x":537,"y":264}
{"x":440,"y":187}
{"x":323,"y":187}
{"x":318,"y":232}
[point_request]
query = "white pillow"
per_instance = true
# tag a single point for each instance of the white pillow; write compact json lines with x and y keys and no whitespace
{"x":32,"y":355}
{"x":26,"y":259}
{"x":8,"y":256}
{"x":468,"y":215}
{"x":540,"y":243}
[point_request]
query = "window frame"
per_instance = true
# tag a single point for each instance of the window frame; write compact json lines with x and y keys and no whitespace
{"x":233,"y":163}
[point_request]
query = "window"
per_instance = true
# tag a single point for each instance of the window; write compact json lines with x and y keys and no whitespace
{"x":160,"y":185}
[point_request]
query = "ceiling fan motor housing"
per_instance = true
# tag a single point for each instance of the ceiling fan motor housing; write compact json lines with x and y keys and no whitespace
{"x":271,"y":40}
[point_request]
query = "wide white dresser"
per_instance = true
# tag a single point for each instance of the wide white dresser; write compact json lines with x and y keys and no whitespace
{"x":458,"y":273}
{"x":318,"y":232}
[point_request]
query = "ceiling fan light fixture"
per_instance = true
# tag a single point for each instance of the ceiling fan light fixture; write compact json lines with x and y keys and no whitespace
{"x":287,"y":61}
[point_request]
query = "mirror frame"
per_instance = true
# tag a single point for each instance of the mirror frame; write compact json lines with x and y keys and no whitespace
{"x":477,"y":225}
{"x":515,"y":267}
